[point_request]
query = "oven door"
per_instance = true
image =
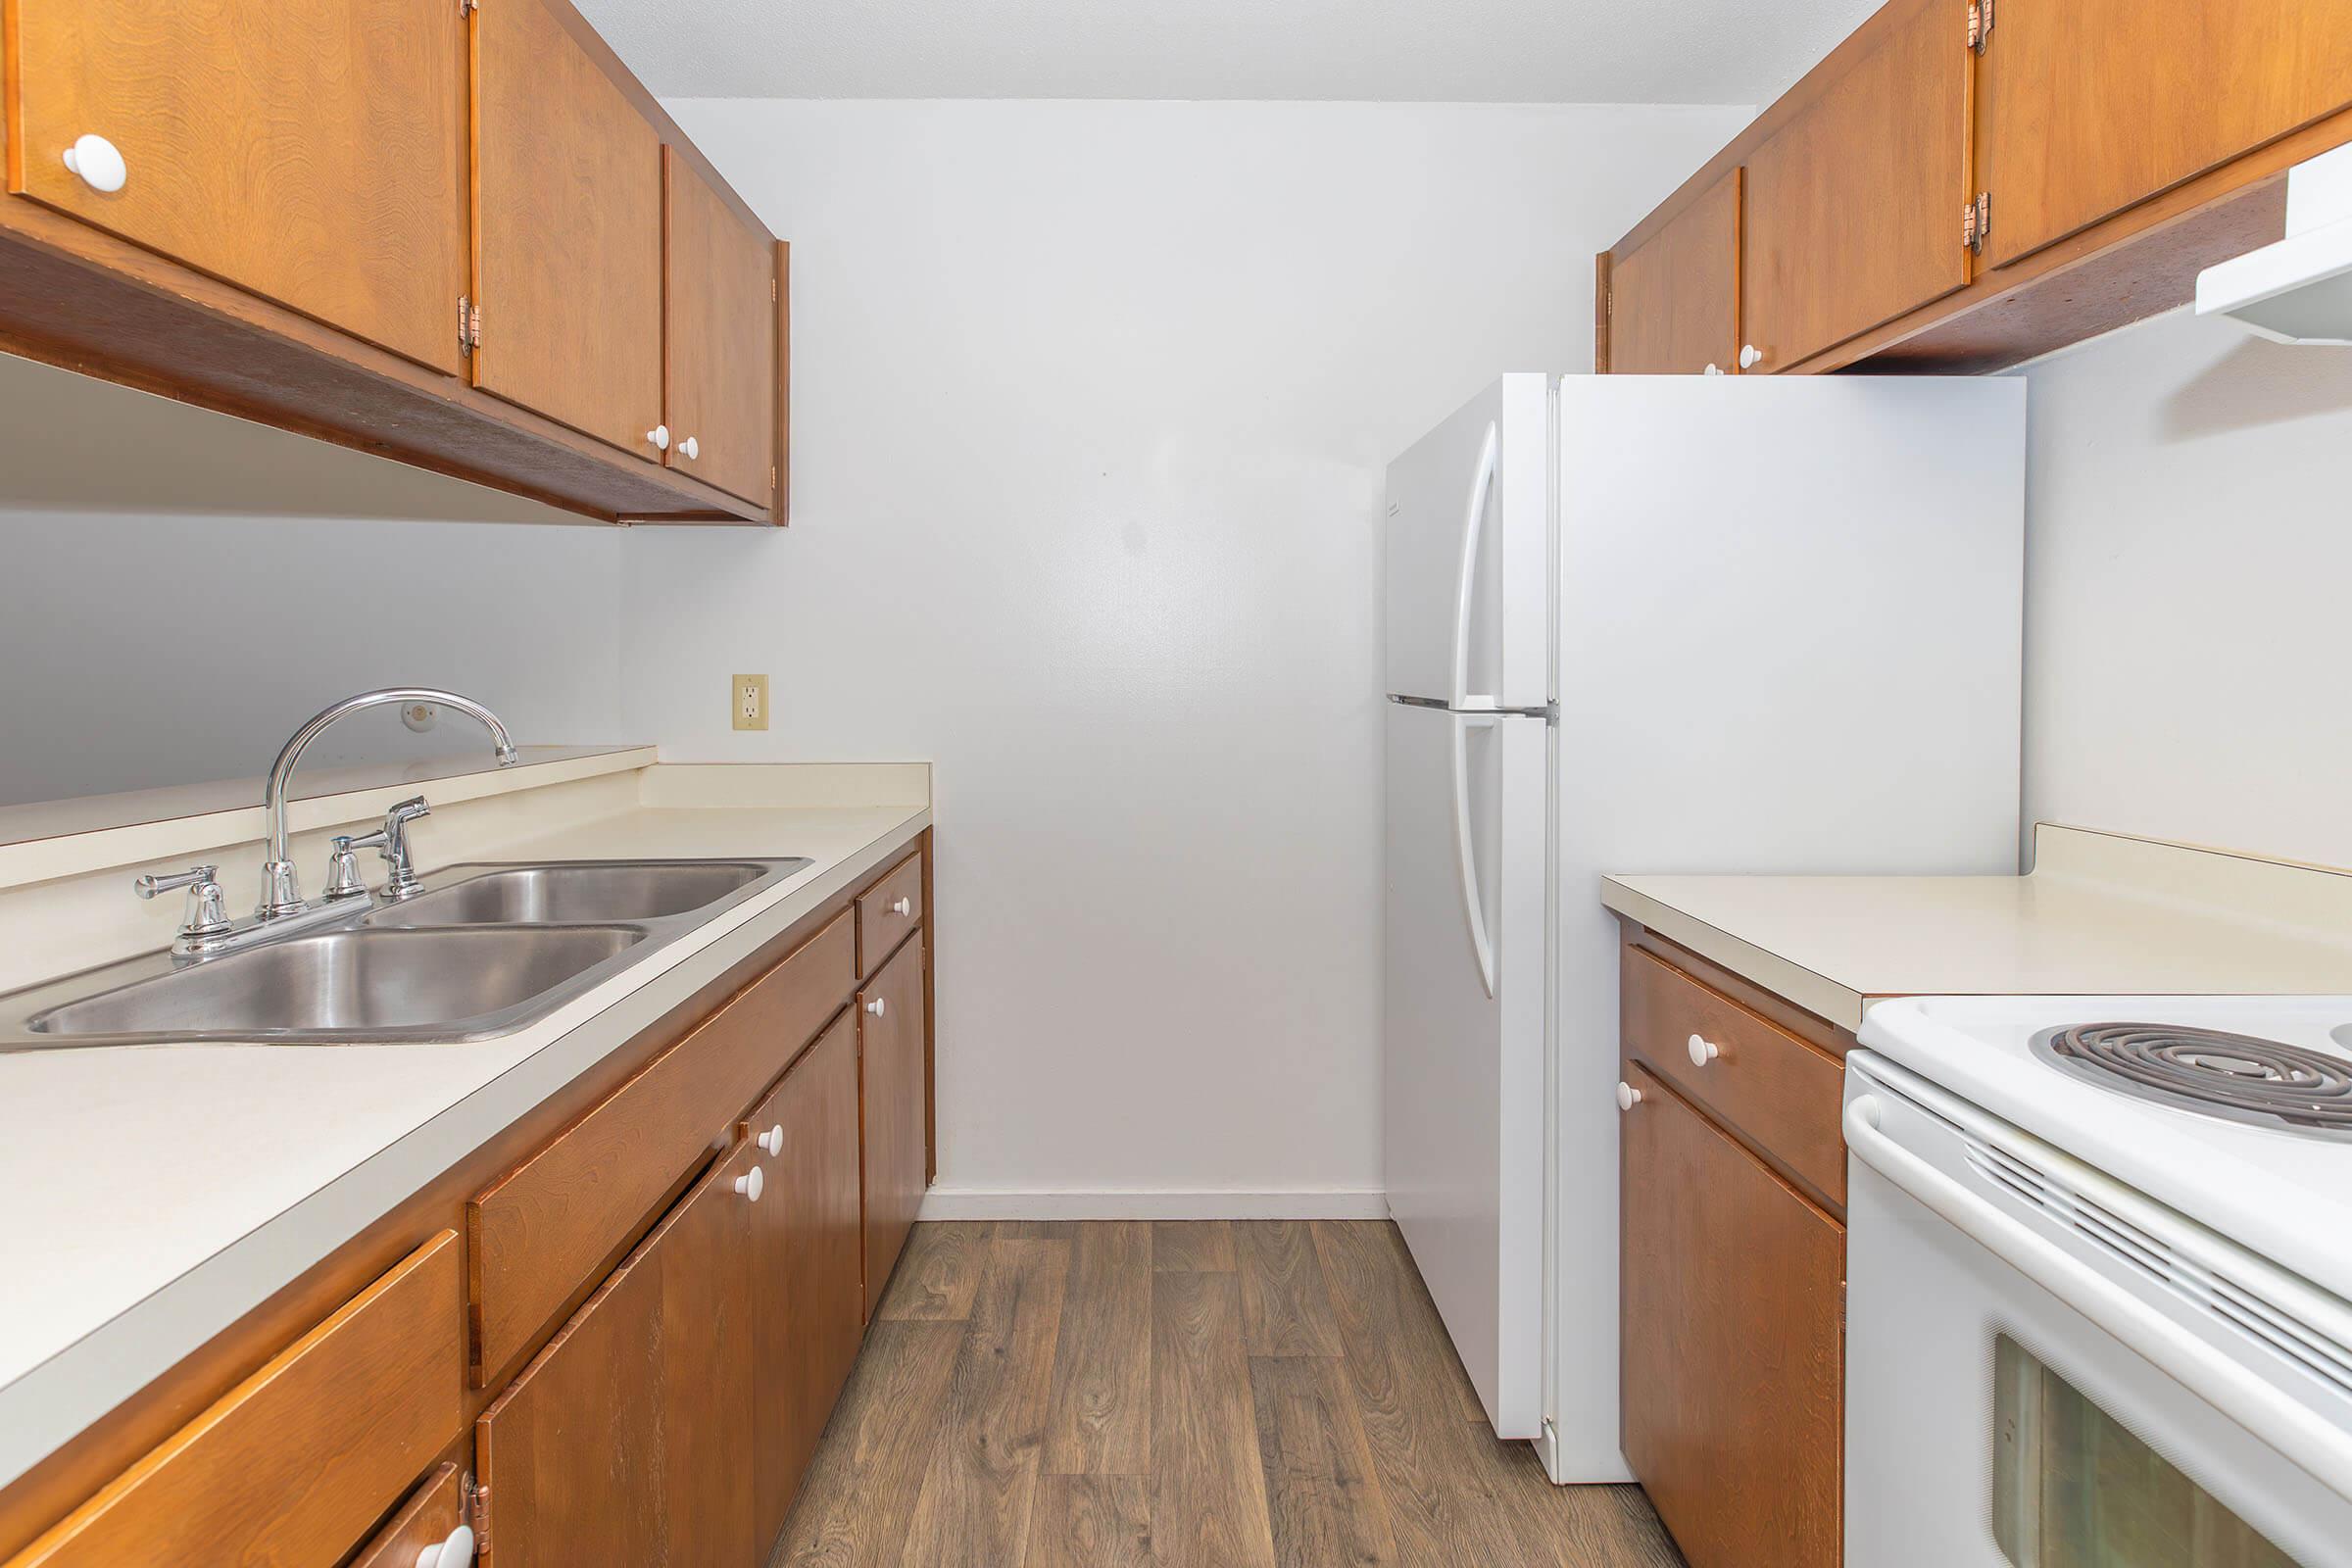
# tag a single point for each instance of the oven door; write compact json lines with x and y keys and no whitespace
{"x":2046,"y":1370}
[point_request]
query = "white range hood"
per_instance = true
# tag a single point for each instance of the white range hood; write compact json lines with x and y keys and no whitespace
{"x":2300,"y":289}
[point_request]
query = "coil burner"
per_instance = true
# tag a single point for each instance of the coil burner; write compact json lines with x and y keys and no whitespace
{"x":2263,"y":1082}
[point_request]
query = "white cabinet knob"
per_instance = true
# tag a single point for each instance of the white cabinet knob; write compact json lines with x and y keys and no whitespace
{"x":752,"y":1185}
{"x":1713,"y":369}
{"x":1628,"y":1097}
{"x":455,"y":1552}
{"x":98,"y":162}
{"x":1750,"y":356}
{"x":690,"y":448}
{"x":1703,"y":1050}
{"x":658,"y":435}
{"x":878,"y":1006}
{"x":903,"y":907}
{"x":771,"y":1142}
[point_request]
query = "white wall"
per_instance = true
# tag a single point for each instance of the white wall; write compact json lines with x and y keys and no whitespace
{"x":147,"y":649}
{"x":2189,"y":590}
{"x":1092,"y":407}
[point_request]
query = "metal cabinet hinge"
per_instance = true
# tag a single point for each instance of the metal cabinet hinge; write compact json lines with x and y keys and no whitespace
{"x":1979,"y":25}
{"x":470,"y":325}
{"x":473,"y":1508}
{"x":1976,"y":222}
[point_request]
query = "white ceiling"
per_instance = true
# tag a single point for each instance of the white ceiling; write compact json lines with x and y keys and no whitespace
{"x":1491,"y":51}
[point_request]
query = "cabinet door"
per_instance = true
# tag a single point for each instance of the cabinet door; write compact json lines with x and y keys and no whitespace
{"x":1732,"y":1346}
{"x":890,"y":1053}
{"x":311,"y":153}
{"x":1853,"y":207}
{"x":624,"y":1440}
{"x":721,"y":339}
{"x":2085,"y":107}
{"x":1674,"y":301}
{"x":807,"y":1264}
{"x":567,"y":265}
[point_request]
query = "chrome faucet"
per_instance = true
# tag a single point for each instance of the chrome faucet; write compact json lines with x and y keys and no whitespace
{"x":281,"y":888}
{"x":207,"y":929}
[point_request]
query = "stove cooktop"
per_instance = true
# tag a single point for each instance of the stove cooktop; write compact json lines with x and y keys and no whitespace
{"x":2243,"y":1078}
{"x":2235,"y":1111}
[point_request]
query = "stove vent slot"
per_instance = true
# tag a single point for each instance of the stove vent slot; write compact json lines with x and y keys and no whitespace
{"x":2216,"y":1296}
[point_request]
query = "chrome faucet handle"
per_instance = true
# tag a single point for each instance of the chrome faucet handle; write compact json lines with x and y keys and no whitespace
{"x":401,"y":881}
{"x":343,"y":879}
{"x":207,"y":912}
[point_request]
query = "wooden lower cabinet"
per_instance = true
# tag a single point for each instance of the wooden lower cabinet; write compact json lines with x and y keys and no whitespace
{"x":298,"y":1462}
{"x":1733,"y":1338}
{"x":430,"y":1516}
{"x":808,"y":1265}
{"x":625,"y":1440}
{"x":664,"y":1280}
{"x":890,"y":1030}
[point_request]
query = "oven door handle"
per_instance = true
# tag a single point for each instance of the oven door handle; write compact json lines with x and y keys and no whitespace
{"x":2273,"y":1416}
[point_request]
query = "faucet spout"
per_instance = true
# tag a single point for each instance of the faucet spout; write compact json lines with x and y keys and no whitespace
{"x":281,"y":890}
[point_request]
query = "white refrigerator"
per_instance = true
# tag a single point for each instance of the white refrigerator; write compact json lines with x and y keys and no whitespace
{"x":1654,"y":625}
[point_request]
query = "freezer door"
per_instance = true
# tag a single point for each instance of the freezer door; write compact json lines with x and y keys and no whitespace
{"x":1463,"y":1014}
{"x":1468,"y":555}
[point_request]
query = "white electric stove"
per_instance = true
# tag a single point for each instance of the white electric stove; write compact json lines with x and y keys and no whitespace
{"x":2099,"y":1253}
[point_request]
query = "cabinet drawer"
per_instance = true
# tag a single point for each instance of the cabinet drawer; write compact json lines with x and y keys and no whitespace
{"x":432,"y":1511}
{"x":295,"y":1463}
{"x":888,"y":911}
{"x":539,"y":1235}
{"x":1776,"y":1091}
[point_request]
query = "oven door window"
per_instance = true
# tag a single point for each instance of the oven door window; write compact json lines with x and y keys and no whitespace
{"x":2072,"y":1487}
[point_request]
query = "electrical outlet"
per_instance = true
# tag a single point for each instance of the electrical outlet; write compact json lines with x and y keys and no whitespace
{"x":751,"y":702}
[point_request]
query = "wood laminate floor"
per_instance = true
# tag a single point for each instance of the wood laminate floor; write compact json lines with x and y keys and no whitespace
{"x":1210,"y":1394}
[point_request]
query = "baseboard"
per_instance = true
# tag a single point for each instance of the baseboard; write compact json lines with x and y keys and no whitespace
{"x":1312,"y":1202}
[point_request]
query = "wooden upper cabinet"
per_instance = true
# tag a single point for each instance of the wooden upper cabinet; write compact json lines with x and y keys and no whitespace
{"x":1853,"y":206}
{"x":1732,"y":1344}
{"x":626,"y":1438}
{"x":311,"y":153}
{"x":2085,"y":107}
{"x":721,"y":341}
{"x":1674,"y":299}
{"x":568,"y":201}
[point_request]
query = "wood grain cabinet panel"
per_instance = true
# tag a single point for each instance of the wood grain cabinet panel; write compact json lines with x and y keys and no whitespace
{"x":1673,"y":300}
{"x":1853,"y":206}
{"x":892,"y":1108}
{"x":313,"y":153}
{"x":721,"y":339}
{"x":626,"y":1438}
{"x":808,"y":1265}
{"x":538,"y":1236}
{"x":1731,"y":1344}
{"x":299,"y":1461}
{"x":1784,"y":1096}
{"x":433,"y":1510}
{"x":568,"y":201}
{"x":887,"y":912}
{"x":2088,"y":107}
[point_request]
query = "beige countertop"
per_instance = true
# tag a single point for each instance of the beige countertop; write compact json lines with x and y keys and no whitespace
{"x":151,"y":1196}
{"x":2100,"y":914}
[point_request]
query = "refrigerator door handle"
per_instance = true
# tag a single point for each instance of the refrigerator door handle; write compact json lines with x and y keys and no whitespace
{"x":1481,"y":488}
{"x":1474,"y":903}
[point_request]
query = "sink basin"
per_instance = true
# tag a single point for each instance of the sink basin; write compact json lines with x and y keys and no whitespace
{"x":365,"y":984}
{"x":577,"y":894}
{"x":482,"y":951}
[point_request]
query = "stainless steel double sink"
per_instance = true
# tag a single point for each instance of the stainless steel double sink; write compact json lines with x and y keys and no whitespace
{"x":483,"y":951}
